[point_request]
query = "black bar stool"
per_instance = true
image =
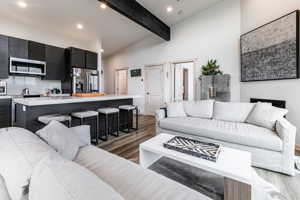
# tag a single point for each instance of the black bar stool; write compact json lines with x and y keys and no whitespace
{"x":88,"y":115}
{"x":46,"y":119}
{"x":128,"y":109}
{"x":106,"y":112}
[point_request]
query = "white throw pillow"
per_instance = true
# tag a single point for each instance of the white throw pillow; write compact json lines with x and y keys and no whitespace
{"x":232,"y":111}
{"x":83,"y":133}
{"x":266,"y":115}
{"x":55,"y":178}
{"x":20,"y":151}
{"x":203,"y":109}
{"x":63,"y":139}
{"x":175,"y":109}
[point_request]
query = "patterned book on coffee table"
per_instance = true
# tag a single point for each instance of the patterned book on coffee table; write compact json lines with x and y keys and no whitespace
{"x":208,"y":151}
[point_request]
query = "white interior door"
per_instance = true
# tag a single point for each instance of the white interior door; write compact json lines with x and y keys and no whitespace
{"x":154,"y":86}
{"x":121,"y":82}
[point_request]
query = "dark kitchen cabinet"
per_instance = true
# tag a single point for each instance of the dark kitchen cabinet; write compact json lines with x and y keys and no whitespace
{"x":91,"y":60}
{"x":77,"y":57}
{"x":5,"y":113}
{"x":3,"y":57}
{"x":36,"y":51}
{"x":18,"y":48}
{"x":56,"y":67}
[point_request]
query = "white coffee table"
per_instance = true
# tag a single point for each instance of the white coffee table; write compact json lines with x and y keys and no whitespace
{"x":234,"y":165}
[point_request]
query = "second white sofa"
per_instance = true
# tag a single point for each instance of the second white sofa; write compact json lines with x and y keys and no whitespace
{"x":258,"y":128}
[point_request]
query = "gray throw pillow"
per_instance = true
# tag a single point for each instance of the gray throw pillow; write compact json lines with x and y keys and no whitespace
{"x":266,"y":115}
{"x":63,"y":139}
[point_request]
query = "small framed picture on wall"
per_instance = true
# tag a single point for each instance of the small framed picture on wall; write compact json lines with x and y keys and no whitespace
{"x":136,"y":72}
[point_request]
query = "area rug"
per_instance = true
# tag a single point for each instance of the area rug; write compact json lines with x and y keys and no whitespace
{"x":263,"y":190}
{"x":210,"y":184}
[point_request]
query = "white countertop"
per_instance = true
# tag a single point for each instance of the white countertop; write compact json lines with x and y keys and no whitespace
{"x":64,"y":100}
{"x":5,"y":97}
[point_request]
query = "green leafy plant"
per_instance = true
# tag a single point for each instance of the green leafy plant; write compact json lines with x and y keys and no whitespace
{"x":211,"y":68}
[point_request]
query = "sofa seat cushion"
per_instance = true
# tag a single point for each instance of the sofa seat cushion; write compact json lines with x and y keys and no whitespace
{"x":3,"y":190}
{"x":233,"y":132}
{"x":132,"y":181}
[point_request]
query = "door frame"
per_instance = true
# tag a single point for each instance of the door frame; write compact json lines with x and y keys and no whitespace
{"x":146,"y":84}
{"x":117,"y":78}
{"x":195,"y":76}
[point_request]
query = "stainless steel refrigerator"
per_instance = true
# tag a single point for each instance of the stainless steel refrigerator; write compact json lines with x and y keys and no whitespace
{"x":85,"y":81}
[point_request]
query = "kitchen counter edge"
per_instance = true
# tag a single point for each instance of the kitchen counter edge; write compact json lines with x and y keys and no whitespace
{"x":67,"y":100}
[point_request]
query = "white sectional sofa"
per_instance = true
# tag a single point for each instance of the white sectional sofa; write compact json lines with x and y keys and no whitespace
{"x":24,"y":163}
{"x":245,"y":126}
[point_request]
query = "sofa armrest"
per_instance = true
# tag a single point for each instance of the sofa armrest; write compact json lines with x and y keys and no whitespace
{"x":84,"y":134}
{"x":287,"y":132}
{"x":3,"y":190}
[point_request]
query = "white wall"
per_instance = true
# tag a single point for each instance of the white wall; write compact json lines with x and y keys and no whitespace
{"x":15,"y":29}
{"x":211,"y":34}
{"x":254,"y":14}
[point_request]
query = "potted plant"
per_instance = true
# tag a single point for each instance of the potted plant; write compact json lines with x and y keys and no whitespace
{"x":211,"y":69}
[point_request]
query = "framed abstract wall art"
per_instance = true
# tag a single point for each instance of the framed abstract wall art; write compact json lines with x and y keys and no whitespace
{"x":271,"y":52}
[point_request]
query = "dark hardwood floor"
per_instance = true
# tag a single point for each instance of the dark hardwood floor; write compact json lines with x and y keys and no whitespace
{"x":127,"y":146}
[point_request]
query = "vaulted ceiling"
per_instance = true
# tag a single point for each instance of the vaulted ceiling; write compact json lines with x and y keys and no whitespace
{"x":115,"y":30}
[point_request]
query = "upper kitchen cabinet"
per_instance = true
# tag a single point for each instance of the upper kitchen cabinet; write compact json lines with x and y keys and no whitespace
{"x":91,"y":60}
{"x":3,"y":57}
{"x":18,"y":48}
{"x":77,"y":57}
{"x":55,"y":59}
{"x":36,"y":51}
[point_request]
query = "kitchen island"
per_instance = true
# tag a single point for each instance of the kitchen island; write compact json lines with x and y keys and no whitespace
{"x":28,"y":110}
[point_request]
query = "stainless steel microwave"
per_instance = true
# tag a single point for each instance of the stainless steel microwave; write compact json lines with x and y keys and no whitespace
{"x":25,"y":67}
{"x":3,"y":88}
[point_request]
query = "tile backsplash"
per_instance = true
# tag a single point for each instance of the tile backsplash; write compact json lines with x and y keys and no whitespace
{"x":16,"y":84}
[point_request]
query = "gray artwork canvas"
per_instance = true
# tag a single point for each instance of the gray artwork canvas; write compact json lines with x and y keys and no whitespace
{"x":271,"y":51}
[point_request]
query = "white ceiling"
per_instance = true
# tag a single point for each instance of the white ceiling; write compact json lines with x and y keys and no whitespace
{"x":115,"y":30}
{"x":182,"y":9}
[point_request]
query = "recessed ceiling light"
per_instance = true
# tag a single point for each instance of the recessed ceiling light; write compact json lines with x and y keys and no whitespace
{"x":80,"y":26}
{"x":169,"y":9}
{"x":22,"y":4}
{"x":103,"y":5}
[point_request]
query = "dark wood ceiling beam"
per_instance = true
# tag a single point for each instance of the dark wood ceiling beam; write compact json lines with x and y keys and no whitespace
{"x":137,"y":13}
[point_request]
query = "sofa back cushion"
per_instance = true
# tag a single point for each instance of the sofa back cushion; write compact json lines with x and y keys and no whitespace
{"x":20,"y":151}
{"x":63,"y":139}
{"x":60,"y":179}
{"x":266,"y":115}
{"x":175,"y":109}
{"x":232,"y":111}
{"x":202,"y":109}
